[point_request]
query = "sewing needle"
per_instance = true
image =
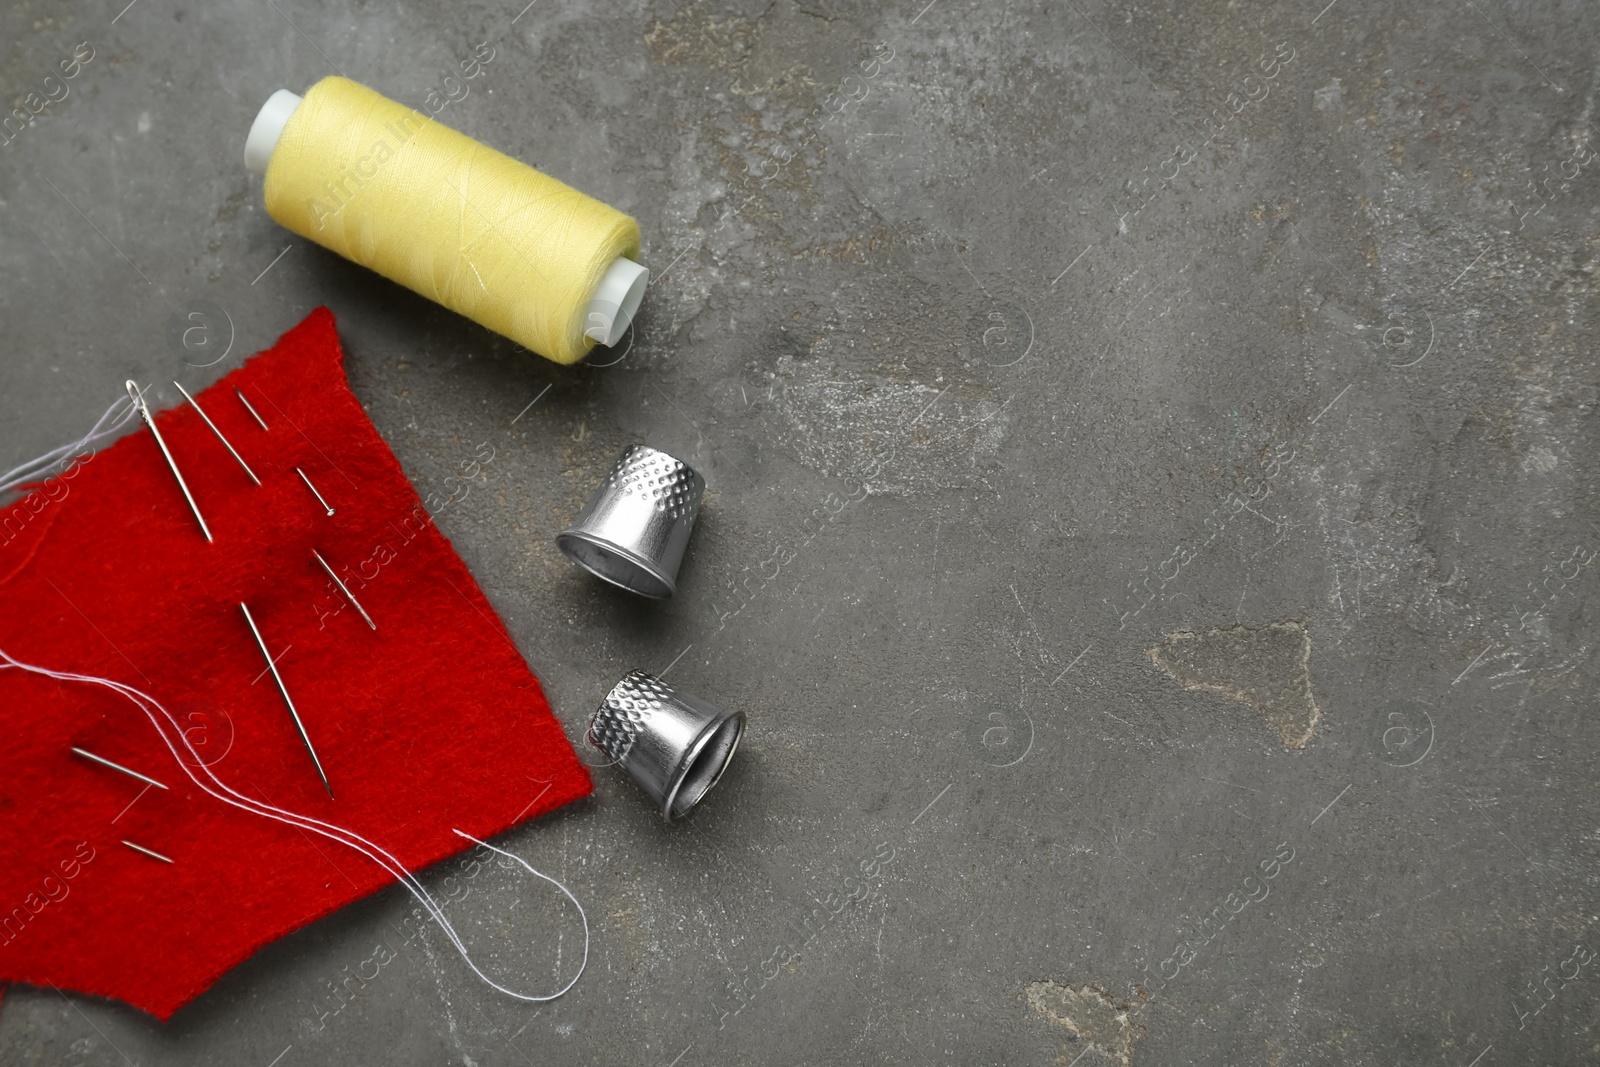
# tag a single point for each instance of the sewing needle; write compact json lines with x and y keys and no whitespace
{"x":117,"y":767}
{"x":146,"y":851}
{"x":250,"y":409}
{"x":144,"y":413}
{"x":225,"y":444}
{"x":344,"y":589}
{"x":282,"y":689}
{"x":313,"y":489}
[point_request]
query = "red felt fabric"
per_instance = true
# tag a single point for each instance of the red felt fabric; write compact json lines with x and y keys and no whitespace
{"x":429,"y":723}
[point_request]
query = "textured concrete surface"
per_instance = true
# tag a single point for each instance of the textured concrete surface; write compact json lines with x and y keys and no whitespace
{"x":1012,"y":338}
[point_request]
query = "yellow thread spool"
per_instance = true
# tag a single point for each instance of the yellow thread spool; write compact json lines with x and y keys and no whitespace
{"x":430,"y":208}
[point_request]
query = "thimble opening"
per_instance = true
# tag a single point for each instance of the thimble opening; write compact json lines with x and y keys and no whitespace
{"x":712,"y":754}
{"x":614,"y":564}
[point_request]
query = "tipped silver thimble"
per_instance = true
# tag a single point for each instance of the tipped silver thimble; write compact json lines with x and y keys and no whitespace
{"x":674,"y":746}
{"x":636,"y":524}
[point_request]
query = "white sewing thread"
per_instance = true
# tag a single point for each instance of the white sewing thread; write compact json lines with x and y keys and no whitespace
{"x":348,"y":838}
{"x":34,"y":469}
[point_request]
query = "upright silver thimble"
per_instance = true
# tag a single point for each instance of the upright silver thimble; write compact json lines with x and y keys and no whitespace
{"x":636,"y":524}
{"x":674,"y":746}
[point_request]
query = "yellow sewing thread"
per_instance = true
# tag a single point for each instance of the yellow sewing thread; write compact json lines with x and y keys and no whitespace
{"x":386,"y":186}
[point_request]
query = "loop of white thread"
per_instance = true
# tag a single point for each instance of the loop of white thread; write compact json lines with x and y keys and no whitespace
{"x":348,"y":838}
{"x":581,"y":914}
{"x":35,"y":468}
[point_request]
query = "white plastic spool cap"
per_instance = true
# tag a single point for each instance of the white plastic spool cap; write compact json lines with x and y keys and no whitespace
{"x":267,"y":128}
{"x":615,"y":301}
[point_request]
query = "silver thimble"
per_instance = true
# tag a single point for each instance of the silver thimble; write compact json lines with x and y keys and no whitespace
{"x":674,"y":746}
{"x":636,"y":524}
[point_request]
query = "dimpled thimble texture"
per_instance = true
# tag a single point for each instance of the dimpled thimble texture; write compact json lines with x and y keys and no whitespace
{"x":666,"y":481}
{"x":621,"y":718}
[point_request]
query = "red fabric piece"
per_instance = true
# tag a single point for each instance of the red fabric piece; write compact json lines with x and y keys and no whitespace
{"x":429,"y":723}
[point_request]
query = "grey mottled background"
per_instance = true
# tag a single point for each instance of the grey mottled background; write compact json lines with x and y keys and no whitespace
{"x":1141,"y":348}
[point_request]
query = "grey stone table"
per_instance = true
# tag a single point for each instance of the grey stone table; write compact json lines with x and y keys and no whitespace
{"x":1152,"y":522}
